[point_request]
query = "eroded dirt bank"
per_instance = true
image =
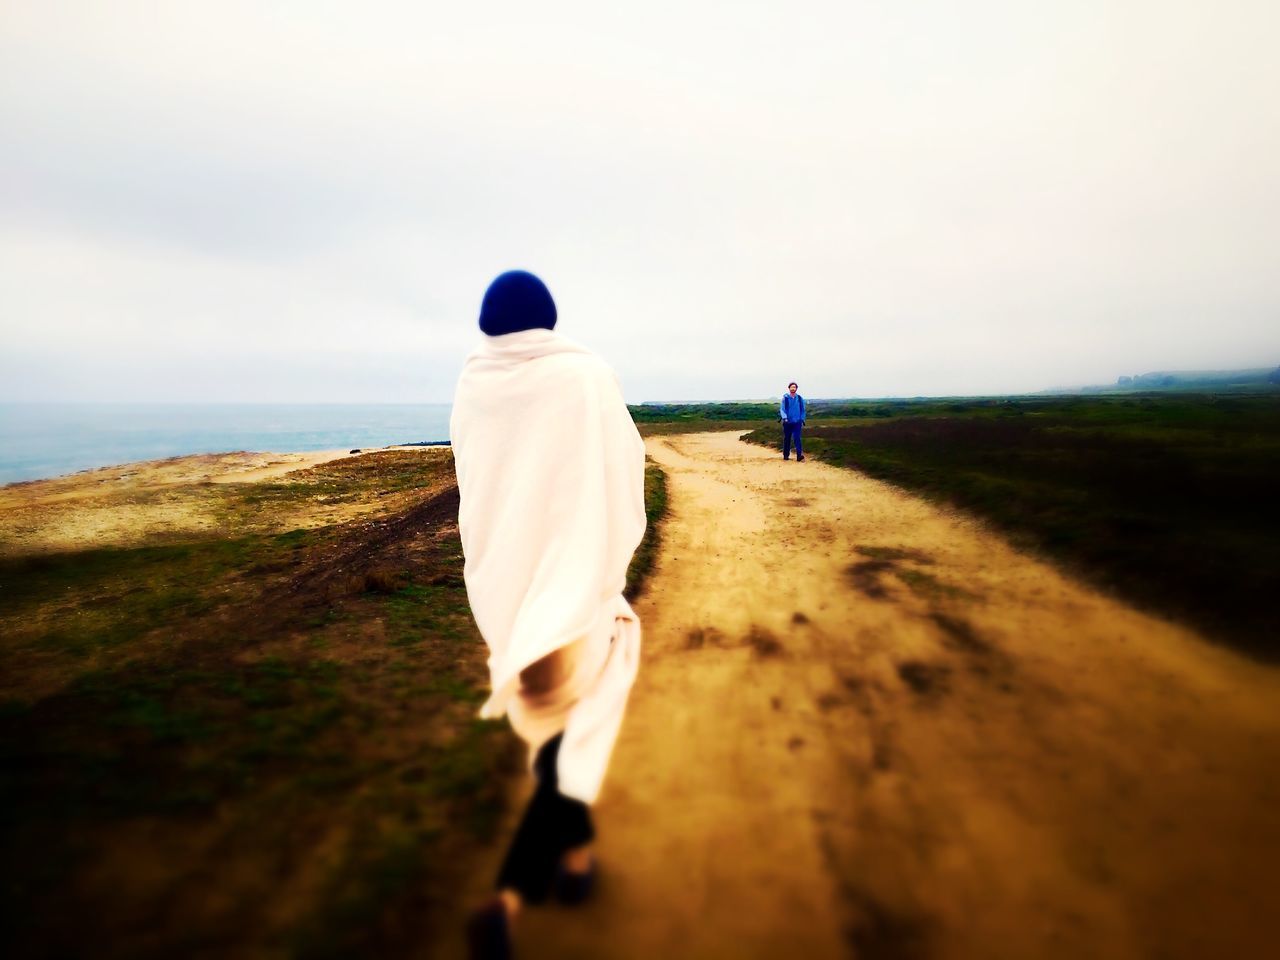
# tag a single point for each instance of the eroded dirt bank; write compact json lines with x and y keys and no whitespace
{"x":866,"y":727}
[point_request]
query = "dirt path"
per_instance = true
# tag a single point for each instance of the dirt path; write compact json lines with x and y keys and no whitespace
{"x":865,"y":726}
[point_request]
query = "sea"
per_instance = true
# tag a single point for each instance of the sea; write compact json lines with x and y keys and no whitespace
{"x":40,"y":440}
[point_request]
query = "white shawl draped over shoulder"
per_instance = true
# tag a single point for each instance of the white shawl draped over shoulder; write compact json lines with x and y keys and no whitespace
{"x":551,"y":479}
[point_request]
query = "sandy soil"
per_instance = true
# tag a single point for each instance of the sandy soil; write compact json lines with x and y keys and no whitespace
{"x":866,"y":726}
{"x":132,"y":502}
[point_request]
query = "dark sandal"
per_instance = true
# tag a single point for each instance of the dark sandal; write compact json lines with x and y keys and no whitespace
{"x":573,"y":888}
{"x":488,"y":934}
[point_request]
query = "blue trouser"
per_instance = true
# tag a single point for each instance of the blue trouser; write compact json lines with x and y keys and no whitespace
{"x":790,"y":432}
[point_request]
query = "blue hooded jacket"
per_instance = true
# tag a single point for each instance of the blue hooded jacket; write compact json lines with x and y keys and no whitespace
{"x":792,"y":408}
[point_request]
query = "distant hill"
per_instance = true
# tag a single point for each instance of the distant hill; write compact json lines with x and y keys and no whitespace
{"x":1256,"y":378}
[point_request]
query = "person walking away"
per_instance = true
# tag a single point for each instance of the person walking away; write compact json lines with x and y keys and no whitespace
{"x":792,"y":411}
{"x":551,"y":483}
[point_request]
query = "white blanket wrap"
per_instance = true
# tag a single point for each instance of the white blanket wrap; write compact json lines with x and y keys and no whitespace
{"x":551,"y":477}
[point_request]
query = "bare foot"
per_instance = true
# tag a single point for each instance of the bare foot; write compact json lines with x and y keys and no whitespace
{"x":577,"y":860}
{"x":512,"y":902}
{"x":577,"y":876}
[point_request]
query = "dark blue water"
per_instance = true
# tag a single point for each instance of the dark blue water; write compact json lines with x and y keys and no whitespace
{"x":51,"y":439}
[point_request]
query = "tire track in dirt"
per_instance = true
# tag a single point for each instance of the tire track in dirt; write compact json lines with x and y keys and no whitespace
{"x":865,"y":726}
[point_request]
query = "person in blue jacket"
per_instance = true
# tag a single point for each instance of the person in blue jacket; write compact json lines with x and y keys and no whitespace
{"x":792,"y":413}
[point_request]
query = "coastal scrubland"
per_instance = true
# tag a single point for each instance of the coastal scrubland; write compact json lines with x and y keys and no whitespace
{"x":239,"y":718}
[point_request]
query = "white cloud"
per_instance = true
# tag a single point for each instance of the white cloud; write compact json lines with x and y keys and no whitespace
{"x":305,"y":201}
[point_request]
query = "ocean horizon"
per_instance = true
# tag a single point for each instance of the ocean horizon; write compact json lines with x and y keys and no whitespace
{"x":42,"y":440}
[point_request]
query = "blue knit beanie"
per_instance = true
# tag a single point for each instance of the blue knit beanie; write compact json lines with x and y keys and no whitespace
{"x":516,"y":300}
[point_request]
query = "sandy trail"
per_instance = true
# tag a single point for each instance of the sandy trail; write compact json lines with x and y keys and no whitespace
{"x":950,"y":750}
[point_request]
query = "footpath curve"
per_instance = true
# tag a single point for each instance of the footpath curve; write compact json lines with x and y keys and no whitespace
{"x":867,"y":727}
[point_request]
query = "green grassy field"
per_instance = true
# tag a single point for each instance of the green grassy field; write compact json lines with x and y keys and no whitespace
{"x":655,"y":508}
{"x":253,"y":741}
{"x":1167,"y":499}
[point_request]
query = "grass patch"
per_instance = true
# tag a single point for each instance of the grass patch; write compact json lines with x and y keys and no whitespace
{"x":298,"y":705}
{"x":763,"y":643}
{"x":667,"y":428}
{"x":703,"y":416}
{"x":894,"y":554}
{"x":655,"y":509}
{"x":929,"y":587}
{"x":924,"y":678}
{"x":866,"y":576}
{"x":78,"y":603}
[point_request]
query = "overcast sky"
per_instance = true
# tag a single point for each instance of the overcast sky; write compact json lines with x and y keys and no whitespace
{"x":273,"y":201}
